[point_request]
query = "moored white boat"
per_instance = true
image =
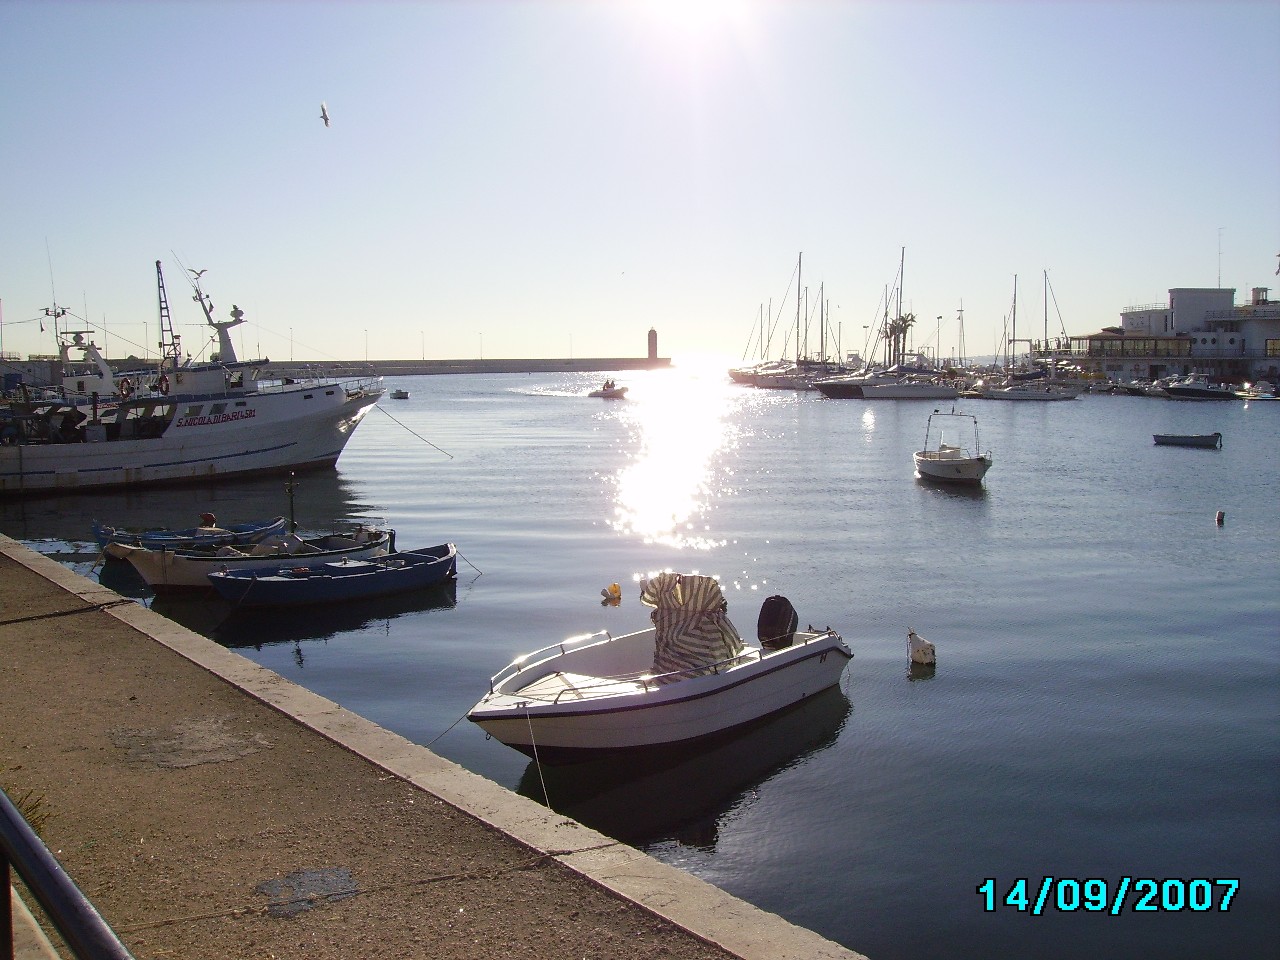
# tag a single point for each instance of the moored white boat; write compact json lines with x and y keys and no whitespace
{"x":179,"y":422}
{"x":949,"y":462}
{"x":691,"y":676}
{"x":1040,"y":390}
{"x":1196,"y":386}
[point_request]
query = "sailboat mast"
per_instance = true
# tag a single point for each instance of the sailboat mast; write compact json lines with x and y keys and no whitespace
{"x":1046,"y":310}
{"x":799,"y":269}
{"x":1013,"y":338}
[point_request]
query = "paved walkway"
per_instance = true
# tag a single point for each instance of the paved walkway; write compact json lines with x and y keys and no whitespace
{"x":210,"y":808}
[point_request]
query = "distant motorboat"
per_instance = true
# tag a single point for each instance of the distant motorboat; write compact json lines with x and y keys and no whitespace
{"x":947,"y":462}
{"x":399,"y":394}
{"x":913,"y":379}
{"x":1198,"y":387}
{"x":1032,"y":390}
{"x":610,"y":391}
{"x":1208,"y":440}
{"x":1262,"y":390}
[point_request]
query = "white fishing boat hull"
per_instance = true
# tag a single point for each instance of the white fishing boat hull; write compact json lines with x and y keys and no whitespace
{"x":207,"y":437}
{"x":599,"y":696}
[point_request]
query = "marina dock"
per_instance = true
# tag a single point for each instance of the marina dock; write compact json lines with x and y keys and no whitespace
{"x":210,"y":808}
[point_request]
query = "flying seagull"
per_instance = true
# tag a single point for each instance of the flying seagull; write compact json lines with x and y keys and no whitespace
{"x":196,"y":273}
{"x":324,"y":113}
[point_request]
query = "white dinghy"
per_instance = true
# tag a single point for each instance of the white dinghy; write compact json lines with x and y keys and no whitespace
{"x":690,"y":676}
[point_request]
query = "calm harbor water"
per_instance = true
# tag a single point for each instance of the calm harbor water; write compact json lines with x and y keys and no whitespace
{"x":1104,"y":704}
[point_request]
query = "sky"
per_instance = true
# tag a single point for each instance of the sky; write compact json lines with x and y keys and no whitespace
{"x":550,"y":178}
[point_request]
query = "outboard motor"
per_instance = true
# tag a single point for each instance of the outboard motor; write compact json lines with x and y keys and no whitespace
{"x":778,"y":622}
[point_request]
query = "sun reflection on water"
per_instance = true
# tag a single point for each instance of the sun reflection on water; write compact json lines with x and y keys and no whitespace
{"x":682,"y":420}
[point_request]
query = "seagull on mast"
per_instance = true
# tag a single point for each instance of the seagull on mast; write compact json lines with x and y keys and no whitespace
{"x":324,"y":113}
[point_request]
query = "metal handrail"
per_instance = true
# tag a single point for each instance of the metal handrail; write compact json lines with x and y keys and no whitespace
{"x":76,"y":919}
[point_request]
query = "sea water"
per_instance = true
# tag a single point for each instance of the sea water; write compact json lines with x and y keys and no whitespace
{"x":1092,"y":767}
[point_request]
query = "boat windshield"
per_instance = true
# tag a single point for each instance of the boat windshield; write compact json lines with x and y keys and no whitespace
{"x":693,"y":628}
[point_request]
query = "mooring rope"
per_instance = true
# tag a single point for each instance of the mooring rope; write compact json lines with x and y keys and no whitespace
{"x":416,"y":434}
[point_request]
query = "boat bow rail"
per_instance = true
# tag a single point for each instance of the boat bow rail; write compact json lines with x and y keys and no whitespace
{"x":528,"y":660}
{"x":585,"y":687}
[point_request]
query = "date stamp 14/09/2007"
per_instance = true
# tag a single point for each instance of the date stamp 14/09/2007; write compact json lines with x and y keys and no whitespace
{"x":1135,"y":894}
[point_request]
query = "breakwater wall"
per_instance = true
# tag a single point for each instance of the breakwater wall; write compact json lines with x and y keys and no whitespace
{"x":408,"y":368}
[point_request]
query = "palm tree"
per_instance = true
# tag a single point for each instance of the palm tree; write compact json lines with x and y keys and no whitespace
{"x":896,"y":333}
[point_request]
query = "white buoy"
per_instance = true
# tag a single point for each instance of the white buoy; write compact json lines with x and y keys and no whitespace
{"x":919,"y":649}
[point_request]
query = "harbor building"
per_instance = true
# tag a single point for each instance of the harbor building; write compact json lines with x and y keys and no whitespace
{"x":1199,"y":330}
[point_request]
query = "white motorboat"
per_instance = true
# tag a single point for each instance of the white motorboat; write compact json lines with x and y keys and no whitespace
{"x":178,"y":421}
{"x":914,"y":379}
{"x":190,"y":569}
{"x":1262,"y":390}
{"x":691,"y":676}
{"x":951,"y":462}
{"x":1041,"y":390}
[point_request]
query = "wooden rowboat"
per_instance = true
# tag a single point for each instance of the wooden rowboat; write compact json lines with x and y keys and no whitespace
{"x":1210,"y":440}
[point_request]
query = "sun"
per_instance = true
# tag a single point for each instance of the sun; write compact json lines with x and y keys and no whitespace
{"x":692,"y":19}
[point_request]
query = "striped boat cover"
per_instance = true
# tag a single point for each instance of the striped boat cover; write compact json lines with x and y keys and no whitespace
{"x":693,"y":628}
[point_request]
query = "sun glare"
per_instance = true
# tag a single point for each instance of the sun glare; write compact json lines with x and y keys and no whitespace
{"x":666,"y":493}
{"x":692,"y":19}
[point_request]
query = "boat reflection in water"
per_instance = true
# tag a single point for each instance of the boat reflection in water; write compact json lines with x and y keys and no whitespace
{"x":212,"y":617}
{"x":314,"y":500}
{"x":660,"y":793}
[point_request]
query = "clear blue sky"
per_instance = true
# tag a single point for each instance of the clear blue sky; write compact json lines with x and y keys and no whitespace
{"x":540,"y":179}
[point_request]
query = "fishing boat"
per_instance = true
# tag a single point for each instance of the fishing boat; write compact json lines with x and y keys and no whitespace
{"x":951,"y":462}
{"x":178,"y":421}
{"x":689,"y":677}
{"x":208,"y":534}
{"x":190,"y":569}
{"x":1208,"y":440}
{"x":337,"y":581}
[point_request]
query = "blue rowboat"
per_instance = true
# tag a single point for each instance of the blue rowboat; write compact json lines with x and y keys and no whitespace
{"x":208,"y":534}
{"x":303,"y":584}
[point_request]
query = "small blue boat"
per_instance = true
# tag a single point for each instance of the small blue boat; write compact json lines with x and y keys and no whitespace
{"x":208,"y":534}
{"x":302,"y":584}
